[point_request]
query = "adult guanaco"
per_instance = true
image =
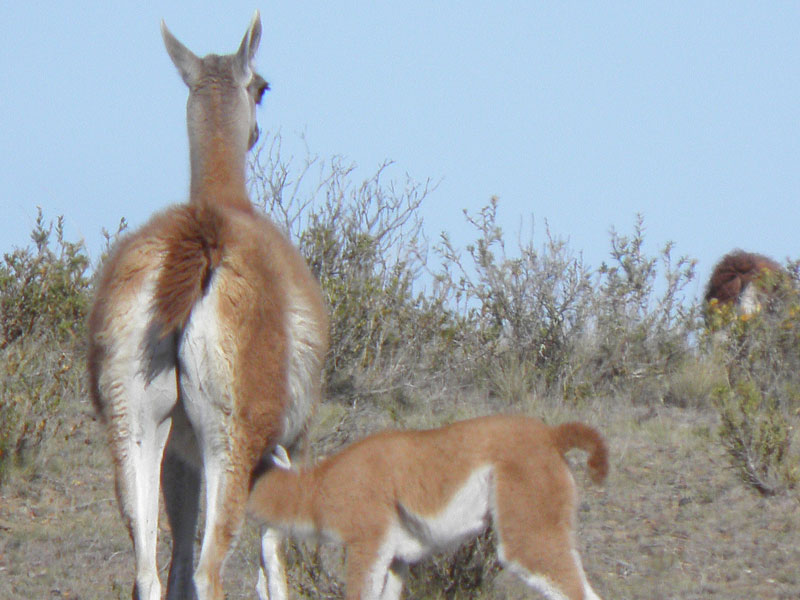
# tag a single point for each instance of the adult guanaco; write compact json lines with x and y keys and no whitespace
{"x":206,"y":338}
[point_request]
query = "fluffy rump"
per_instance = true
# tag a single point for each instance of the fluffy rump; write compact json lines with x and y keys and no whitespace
{"x":194,"y":249}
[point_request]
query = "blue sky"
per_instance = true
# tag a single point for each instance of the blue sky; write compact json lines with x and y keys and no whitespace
{"x":579,"y":114}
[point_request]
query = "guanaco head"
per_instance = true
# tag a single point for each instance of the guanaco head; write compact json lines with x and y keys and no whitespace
{"x":223,"y":90}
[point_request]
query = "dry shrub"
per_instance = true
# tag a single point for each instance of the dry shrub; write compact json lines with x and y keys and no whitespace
{"x":522,"y":306}
{"x":466,"y":572}
{"x":642,"y":324}
{"x":364,"y":242}
{"x":315,"y":570}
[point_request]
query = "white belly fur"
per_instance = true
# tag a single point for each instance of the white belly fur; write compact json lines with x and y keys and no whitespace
{"x":465,"y":516}
{"x":303,"y":370}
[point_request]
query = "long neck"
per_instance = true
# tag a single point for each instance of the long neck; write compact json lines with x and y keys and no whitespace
{"x":217,"y":151}
{"x":283,"y":498}
{"x":218,"y":172}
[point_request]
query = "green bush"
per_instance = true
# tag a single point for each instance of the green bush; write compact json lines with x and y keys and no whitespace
{"x":763,"y":347}
{"x":759,"y":403}
{"x":44,"y":295}
{"x":757,"y":435}
{"x":35,"y":374}
{"x":44,"y":288}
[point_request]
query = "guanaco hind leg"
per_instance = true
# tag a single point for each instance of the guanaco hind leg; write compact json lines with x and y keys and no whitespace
{"x":535,"y":537}
{"x":137,"y":391}
{"x":137,"y":482}
{"x":206,"y":399}
{"x":229,"y":451}
{"x":559,"y":577}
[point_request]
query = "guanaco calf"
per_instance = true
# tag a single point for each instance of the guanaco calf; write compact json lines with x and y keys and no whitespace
{"x":397,"y":496}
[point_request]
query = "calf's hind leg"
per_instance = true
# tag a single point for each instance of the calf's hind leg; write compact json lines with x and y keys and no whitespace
{"x":534,"y":527}
{"x":556,"y":573}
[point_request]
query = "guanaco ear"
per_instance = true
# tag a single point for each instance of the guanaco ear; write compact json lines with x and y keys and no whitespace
{"x":249,"y":46}
{"x":184,"y":59}
{"x":281,"y":458}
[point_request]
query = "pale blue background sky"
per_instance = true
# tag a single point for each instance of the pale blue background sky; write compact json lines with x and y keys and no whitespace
{"x":582,"y":114}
